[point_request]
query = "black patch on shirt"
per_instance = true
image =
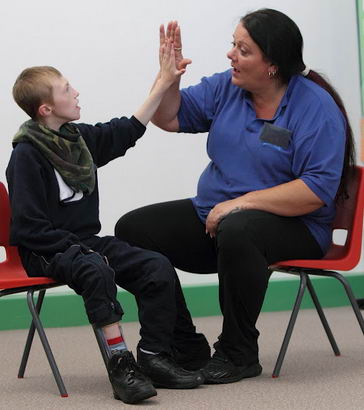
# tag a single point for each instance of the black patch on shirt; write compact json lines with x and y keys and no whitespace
{"x":275,"y":135}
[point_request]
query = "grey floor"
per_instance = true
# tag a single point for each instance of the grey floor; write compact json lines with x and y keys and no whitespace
{"x":311,"y":377}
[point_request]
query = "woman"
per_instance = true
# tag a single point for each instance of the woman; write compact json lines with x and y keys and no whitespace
{"x":281,"y":150}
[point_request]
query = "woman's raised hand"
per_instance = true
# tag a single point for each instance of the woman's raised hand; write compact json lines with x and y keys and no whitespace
{"x":173,"y":34}
{"x":169,"y":73}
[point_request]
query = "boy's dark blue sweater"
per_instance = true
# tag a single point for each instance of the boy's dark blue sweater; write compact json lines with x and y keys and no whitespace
{"x":40,"y":222}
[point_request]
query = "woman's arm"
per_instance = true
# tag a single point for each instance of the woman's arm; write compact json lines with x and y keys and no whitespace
{"x":167,"y":76}
{"x":293,"y":198}
{"x":166,"y":115}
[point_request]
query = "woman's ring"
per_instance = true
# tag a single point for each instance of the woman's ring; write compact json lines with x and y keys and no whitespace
{"x":177,"y":48}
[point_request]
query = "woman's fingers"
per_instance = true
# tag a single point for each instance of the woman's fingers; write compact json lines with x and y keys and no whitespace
{"x":172,"y":34}
{"x":162,"y":35}
{"x":177,"y":38}
{"x":171,"y":27}
{"x":211,"y":224}
{"x":184,"y":63}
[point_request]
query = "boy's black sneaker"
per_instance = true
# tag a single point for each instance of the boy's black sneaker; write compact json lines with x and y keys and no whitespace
{"x":192,"y":353}
{"x":164,"y":372}
{"x":128,"y":382}
{"x":220,"y":369}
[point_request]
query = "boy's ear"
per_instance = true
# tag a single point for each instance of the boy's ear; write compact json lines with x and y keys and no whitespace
{"x":44,"y":110}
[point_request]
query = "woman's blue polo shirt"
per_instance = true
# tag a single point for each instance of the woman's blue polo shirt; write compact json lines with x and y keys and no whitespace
{"x":305,"y":139}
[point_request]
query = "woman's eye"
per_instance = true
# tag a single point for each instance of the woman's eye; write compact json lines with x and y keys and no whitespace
{"x":242,"y":51}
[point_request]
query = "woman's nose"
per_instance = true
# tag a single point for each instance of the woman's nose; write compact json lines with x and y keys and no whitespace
{"x":230,"y":54}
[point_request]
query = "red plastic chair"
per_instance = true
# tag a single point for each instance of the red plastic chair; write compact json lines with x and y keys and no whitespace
{"x":13,"y":279}
{"x":349,"y":217}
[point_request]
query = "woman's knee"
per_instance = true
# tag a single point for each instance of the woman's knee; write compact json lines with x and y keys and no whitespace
{"x":240,"y":227}
{"x":127,"y":226}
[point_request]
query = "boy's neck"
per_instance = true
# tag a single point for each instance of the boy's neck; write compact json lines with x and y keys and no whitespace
{"x":51,"y":124}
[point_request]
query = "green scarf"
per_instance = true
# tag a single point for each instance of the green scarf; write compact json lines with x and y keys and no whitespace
{"x":65,"y":149}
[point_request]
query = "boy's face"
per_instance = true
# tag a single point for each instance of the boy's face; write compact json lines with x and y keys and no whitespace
{"x":65,"y":102}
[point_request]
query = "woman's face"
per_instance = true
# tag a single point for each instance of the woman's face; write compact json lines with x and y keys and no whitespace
{"x":250,"y":68}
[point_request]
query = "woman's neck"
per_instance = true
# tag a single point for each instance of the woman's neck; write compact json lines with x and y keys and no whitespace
{"x":267,"y":101}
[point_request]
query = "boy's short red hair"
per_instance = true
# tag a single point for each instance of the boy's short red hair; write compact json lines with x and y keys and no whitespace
{"x":33,"y":87}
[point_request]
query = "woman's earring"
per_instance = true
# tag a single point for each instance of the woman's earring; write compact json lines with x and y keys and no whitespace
{"x":272,"y":73}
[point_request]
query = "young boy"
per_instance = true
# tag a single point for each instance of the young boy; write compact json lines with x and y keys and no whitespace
{"x":53,"y":188}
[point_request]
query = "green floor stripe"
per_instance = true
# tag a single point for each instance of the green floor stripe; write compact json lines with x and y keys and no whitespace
{"x":66,"y":309}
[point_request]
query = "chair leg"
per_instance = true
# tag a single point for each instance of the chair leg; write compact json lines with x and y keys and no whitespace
{"x":104,"y":349}
{"x":322,"y":317}
{"x":291,"y":323}
{"x":38,"y":325}
{"x":30,"y":337}
{"x":351,"y":297}
{"x":360,"y":303}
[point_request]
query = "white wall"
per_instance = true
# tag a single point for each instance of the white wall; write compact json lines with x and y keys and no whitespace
{"x":108,"y":50}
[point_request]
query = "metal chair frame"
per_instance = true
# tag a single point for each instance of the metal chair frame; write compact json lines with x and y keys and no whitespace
{"x":344,"y":257}
{"x":13,"y":279}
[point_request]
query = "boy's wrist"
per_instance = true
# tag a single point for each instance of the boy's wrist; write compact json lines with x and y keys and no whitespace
{"x":162,"y":84}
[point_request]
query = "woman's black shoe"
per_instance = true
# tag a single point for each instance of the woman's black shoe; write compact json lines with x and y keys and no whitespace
{"x":164,"y":372}
{"x":220,"y":369}
{"x":129,"y":384}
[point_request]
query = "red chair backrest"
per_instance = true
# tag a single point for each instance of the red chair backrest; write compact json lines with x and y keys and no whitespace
{"x":5,"y":216}
{"x":12,"y":273}
{"x":12,"y":266}
{"x":349,"y":216}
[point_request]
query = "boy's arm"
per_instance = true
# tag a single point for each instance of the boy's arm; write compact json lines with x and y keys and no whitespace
{"x":107,"y":141}
{"x":31,"y":226}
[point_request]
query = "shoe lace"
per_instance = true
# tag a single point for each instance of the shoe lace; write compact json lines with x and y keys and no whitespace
{"x":127,"y":364}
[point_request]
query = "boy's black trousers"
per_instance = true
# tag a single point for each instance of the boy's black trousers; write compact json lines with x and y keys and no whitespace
{"x":148,"y":275}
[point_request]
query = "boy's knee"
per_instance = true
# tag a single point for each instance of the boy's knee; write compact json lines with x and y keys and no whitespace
{"x":162,"y":266}
{"x":86,"y":272}
{"x":157,"y":275}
